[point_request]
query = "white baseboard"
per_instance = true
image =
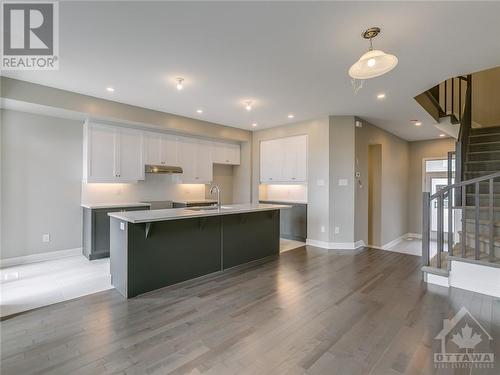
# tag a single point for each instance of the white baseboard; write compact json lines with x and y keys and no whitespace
{"x":50,"y":255}
{"x":396,"y":241}
{"x":335,"y":245}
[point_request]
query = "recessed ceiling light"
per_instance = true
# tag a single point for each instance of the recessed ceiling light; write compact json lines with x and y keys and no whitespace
{"x":291,"y":115}
{"x":199,"y":110}
{"x":418,"y":123}
{"x":442,"y":135}
{"x":381,"y":96}
{"x":179,"y":86}
{"x":248,"y":105}
{"x":110,"y":89}
{"x":254,"y":124}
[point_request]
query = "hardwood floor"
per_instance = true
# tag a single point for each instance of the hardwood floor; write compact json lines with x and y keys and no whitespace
{"x":310,"y":311}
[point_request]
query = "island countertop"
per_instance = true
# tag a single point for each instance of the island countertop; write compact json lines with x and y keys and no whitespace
{"x":148,"y":216}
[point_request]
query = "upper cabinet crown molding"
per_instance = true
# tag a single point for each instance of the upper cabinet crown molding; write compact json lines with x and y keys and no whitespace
{"x":284,"y":160}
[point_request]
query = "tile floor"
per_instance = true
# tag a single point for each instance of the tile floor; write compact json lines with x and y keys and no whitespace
{"x":29,"y":286}
{"x":34,"y":285}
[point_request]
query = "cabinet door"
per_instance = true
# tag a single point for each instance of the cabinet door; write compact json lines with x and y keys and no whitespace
{"x":219,"y":153}
{"x":131,"y":155}
{"x":271,"y":161}
{"x":187,"y":159}
{"x":101,"y":160}
{"x":204,"y":164}
{"x":232,"y":154}
{"x":153,"y":148}
{"x":295,"y":159}
{"x":169,"y":150}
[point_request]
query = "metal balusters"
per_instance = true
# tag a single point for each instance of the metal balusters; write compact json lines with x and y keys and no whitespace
{"x":477,"y":210}
{"x":492,"y":222}
{"x":440,"y":228}
{"x":450,"y":205}
{"x":464,"y":221}
{"x":426,"y":228}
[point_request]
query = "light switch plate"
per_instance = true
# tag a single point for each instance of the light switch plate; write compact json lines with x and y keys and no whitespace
{"x":337,"y":230}
{"x":342,"y":182}
{"x":320,"y":182}
{"x":46,"y":238}
{"x":122,"y":226}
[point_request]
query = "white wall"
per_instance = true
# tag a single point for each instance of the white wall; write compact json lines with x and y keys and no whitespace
{"x":40,"y":184}
{"x":317,"y":170}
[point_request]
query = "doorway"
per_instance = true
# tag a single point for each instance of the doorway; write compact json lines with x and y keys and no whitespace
{"x":374,"y":194}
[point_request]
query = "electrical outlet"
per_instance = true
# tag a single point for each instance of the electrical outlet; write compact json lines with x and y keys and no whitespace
{"x":322,"y":229}
{"x":337,"y":230}
{"x":46,"y":238}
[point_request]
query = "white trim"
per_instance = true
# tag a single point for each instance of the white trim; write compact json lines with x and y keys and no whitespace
{"x":431,"y":278}
{"x":50,"y":255}
{"x":335,"y":245}
{"x":398,"y":240}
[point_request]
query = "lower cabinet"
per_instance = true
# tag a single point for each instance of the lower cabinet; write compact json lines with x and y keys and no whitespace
{"x":96,"y":230}
{"x":293,"y":222}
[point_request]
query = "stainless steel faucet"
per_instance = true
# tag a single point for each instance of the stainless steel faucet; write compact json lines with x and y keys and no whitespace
{"x":216,"y":188}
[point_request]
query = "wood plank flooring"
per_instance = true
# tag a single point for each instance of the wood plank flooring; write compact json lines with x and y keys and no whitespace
{"x":310,"y":311}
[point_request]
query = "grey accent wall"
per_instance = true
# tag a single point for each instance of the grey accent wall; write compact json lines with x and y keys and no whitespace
{"x":395,"y":157}
{"x":317,"y":170}
{"x":420,"y":150}
{"x":342,"y":158}
{"x":40,"y":183}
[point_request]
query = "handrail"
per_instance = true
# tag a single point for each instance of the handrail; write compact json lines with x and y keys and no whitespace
{"x":465,"y":183}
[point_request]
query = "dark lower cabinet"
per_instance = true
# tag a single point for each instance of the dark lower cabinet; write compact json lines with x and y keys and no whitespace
{"x":293,"y":222}
{"x":248,"y":237}
{"x":96,"y":230}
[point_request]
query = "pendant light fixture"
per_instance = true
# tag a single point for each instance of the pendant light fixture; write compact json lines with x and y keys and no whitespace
{"x":373,"y":63}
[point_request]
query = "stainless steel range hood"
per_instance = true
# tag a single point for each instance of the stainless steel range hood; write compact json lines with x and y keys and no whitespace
{"x":162,"y":169}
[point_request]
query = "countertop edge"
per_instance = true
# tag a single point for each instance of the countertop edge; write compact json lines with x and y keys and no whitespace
{"x":114,"y":205}
{"x":121,"y":216}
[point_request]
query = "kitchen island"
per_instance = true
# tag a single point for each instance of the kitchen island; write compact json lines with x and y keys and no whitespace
{"x":153,"y":249}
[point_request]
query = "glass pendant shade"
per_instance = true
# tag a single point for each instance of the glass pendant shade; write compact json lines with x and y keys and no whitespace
{"x":372,"y":64}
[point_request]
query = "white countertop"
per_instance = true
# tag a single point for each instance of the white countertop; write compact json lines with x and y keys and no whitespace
{"x":290,"y":201}
{"x":113,"y":205}
{"x":147,"y":216}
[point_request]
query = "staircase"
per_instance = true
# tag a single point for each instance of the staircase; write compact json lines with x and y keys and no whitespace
{"x":469,"y":256}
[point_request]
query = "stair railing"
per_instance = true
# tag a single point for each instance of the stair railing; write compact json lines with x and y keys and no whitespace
{"x":465,"y":119}
{"x":446,"y":194}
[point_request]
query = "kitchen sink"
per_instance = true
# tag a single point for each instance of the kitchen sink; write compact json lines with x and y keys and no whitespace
{"x":208,"y":208}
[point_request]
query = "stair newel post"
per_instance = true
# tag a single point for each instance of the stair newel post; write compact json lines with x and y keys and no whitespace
{"x":464,"y":221}
{"x":426,"y":228}
{"x":492,"y":221}
{"x":477,"y":208}
{"x":440,"y":227}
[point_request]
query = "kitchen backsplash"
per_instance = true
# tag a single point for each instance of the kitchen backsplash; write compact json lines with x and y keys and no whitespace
{"x":296,"y":193}
{"x":155,"y":187}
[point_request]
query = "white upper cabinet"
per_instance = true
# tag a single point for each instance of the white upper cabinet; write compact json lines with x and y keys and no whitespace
{"x":112,"y":154}
{"x":284,"y":160}
{"x":130,"y":161}
{"x":161,"y":149}
{"x":195,"y":158}
{"x":226,"y":153}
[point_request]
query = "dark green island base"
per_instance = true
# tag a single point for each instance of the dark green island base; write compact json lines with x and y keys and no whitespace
{"x":149,"y":256}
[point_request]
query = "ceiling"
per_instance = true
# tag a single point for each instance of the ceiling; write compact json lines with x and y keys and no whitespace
{"x":288,"y":57}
